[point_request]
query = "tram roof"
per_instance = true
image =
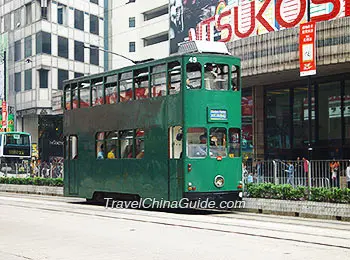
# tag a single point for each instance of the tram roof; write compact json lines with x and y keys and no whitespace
{"x":185,"y":48}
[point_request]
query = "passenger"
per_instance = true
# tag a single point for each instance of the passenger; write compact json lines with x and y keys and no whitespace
{"x":101,"y":154}
{"x":188,"y":85}
{"x":111,"y":154}
{"x":140,"y":155}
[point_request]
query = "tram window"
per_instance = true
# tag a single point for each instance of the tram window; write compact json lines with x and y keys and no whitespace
{"x":140,"y":143}
{"x":112,"y":145}
{"x":68,"y":100}
{"x":141,"y":83}
{"x":217,"y":142}
{"x":111,"y":89}
{"x":126,"y":144}
{"x":197,"y":142}
{"x":100,"y":145}
{"x":84,"y":92}
{"x":73,"y":147}
{"x":175,"y":142}
{"x":158,"y":81}
{"x":125,"y":84}
{"x":75,"y":98}
{"x":194,"y":76}
{"x":234,"y":142}
{"x":97,"y":92}
{"x":174,"y":77}
{"x":216,"y":76}
{"x":235,"y":82}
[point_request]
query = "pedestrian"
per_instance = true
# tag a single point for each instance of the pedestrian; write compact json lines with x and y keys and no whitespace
{"x":348,"y":175}
{"x":334,"y":166}
{"x":306,"y":169}
{"x":290,"y":171}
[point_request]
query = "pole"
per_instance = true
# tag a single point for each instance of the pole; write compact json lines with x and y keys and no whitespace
{"x":309,"y":96}
{"x":5,"y":83}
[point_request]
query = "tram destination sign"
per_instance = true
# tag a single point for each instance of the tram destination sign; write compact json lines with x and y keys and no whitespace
{"x":217,"y":115}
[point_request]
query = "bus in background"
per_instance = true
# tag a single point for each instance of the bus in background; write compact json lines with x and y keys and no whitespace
{"x":15,"y":147}
{"x":165,"y":129}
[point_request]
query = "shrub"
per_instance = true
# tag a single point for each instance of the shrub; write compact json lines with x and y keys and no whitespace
{"x":57,"y":182}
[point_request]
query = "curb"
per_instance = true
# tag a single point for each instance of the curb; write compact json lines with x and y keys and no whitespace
{"x":32,"y":189}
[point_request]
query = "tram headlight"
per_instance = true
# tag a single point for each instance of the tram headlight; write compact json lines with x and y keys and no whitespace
{"x":219,"y":181}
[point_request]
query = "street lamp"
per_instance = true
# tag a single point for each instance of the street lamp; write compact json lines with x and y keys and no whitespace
{"x":4,"y":114}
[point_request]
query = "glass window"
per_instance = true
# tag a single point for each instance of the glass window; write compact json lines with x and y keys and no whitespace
{"x":197,"y":142}
{"x":174,"y":77}
{"x":158,"y":81}
{"x":62,"y":47}
{"x":7,"y":22}
{"x":18,"y":18}
{"x":112,"y":143}
{"x":18,"y":50}
{"x":125,"y":84}
{"x":75,"y":96}
{"x":73,"y":147}
{"x":175,"y":142}
{"x":79,"y":19}
{"x":61,"y":14}
{"x":194,"y":76}
{"x":94,"y":55}
{"x":235,"y":78}
{"x":131,"y":22}
{"x":111,"y":89}
{"x":28,"y":79}
{"x":43,"y":42}
{"x":94,"y":24}
{"x":216,"y":76}
{"x":16,"y":139}
{"x":78,"y":74}
{"x":18,"y":82}
{"x":43,"y":78}
{"x":100,"y":146}
{"x":68,"y":98}
{"x":79,"y":51}
{"x":84,"y":94}
{"x":141,"y":83}
{"x":94,"y":1}
{"x":234,"y":148}
{"x":29,"y":13}
{"x":217,"y":143}
{"x":126,"y":144}
{"x":132,"y":47}
{"x":28,"y":46}
{"x":62,"y":75}
{"x":140,"y":143}
{"x":97,"y":92}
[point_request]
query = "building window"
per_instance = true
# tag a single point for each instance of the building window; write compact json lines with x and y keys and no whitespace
{"x":62,"y":47}
{"x":18,"y":54}
{"x":28,"y":46}
{"x":78,"y":75}
{"x":131,"y":22}
{"x":94,"y":1}
{"x":61,"y":14}
{"x":44,"y":10}
{"x":79,"y":19}
{"x":155,"y":13}
{"x":29,"y":13}
{"x":155,"y":39}
{"x":94,"y":24}
{"x":18,"y":18}
{"x":43,"y":77}
{"x":43,"y":42}
{"x":94,"y":55}
{"x":131,"y":46}
{"x":28,"y":79}
{"x":79,"y":51}
{"x":62,"y":76}
{"x":18,"y":82}
{"x":7,"y":22}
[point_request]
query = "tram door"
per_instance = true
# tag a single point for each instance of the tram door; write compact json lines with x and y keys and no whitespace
{"x":175,"y":172}
{"x":73,"y":165}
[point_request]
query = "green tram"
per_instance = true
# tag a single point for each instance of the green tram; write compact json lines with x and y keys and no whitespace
{"x":168,"y":129}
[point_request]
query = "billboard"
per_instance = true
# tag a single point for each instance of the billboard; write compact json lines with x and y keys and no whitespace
{"x":229,"y":20}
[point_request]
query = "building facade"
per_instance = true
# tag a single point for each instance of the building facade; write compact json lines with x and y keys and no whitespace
{"x":49,"y":42}
{"x":138,"y":30}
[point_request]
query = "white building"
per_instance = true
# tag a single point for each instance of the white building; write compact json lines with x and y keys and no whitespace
{"x":46,"y":40}
{"x":138,"y":30}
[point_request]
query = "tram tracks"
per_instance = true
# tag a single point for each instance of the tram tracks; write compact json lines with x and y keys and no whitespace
{"x":302,"y":231}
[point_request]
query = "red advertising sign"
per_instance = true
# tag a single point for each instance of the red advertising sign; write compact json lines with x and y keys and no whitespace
{"x":307,"y":49}
{"x":4,"y":114}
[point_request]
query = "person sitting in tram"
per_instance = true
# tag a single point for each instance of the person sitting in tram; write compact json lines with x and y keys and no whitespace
{"x":111,"y":153}
{"x":101,"y":154}
{"x":188,"y":85}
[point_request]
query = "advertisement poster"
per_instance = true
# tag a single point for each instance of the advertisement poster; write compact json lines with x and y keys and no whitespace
{"x":230,"y":20}
{"x":307,"y":49}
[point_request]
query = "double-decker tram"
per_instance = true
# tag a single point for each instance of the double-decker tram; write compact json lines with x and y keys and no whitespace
{"x":168,"y":129}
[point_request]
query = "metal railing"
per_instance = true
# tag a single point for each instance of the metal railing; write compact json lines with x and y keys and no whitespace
{"x":315,"y":173}
{"x":25,"y":170}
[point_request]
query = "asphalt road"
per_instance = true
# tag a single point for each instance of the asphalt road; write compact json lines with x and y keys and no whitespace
{"x":40,"y":227}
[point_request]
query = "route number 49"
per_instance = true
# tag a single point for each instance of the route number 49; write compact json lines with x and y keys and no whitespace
{"x":193,"y":59}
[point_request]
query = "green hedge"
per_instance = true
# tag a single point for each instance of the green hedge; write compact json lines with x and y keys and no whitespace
{"x":287,"y":192}
{"x":57,"y":182}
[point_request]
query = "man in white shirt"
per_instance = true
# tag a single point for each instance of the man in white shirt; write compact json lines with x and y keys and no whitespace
{"x":348,"y":175}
